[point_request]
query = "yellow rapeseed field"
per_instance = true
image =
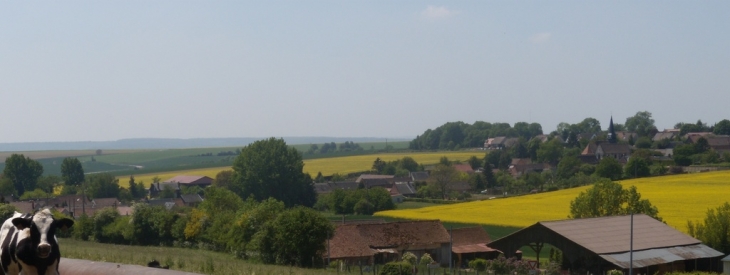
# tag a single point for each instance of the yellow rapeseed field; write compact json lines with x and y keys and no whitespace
{"x":679,"y":198}
{"x":327,"y":166}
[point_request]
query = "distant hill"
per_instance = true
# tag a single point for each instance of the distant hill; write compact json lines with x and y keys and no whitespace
{"x":173,"y":143}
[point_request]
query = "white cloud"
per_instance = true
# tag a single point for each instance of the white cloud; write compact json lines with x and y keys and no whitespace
{"x":434,"y":12}
{"x":540,"y":38}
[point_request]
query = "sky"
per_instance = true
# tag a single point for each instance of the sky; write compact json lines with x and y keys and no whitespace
{"x":109,"y":70}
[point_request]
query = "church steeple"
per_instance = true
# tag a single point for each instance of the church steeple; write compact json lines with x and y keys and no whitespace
{"x":611,"y":132}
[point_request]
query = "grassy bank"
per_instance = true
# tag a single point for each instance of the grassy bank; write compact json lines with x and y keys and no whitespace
{"x":189,"y":260}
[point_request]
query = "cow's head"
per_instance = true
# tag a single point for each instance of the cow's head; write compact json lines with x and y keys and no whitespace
{"x":37,"y":234}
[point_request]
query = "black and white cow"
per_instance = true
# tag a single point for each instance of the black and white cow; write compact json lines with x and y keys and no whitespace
{"x":29,"y":244}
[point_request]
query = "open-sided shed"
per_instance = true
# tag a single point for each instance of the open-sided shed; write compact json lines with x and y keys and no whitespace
{"x":600,"y":244}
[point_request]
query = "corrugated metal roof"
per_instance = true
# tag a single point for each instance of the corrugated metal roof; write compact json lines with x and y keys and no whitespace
{"x":661,"y":255}
{"x":606,"y":235}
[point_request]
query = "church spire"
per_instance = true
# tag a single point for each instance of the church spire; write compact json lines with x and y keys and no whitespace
{"x":611,"y":132}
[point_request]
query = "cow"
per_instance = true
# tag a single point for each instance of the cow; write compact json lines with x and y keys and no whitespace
{"x":29,"y":244}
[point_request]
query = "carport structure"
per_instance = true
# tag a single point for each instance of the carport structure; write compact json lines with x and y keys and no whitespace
{"x":600,"y":244}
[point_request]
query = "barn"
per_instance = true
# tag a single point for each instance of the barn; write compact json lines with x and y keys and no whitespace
{"x":597,"y":245}
{"x":385,"y":242}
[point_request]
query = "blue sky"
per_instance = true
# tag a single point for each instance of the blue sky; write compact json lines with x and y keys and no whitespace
{"x":107,"y":70}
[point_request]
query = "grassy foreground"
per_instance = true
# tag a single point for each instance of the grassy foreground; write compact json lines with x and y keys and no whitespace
{"x":328,"y":166}
{"x":679,"y":198}
{"x":189,"y":260}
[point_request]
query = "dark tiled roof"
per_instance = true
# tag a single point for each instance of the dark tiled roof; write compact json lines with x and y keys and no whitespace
{"x":419,"y":176}
{"x":405,"y":188}
{"x":371,"y":176}
{"x":370,"y":183}
{"x":719,"y":141}
{"x":105,"y":202}
{"x":344,"y":185}
{"x":322,"y":188}
{"x":191,"y":198}
{"x":610,"y":148}
{"x":196,"y":180}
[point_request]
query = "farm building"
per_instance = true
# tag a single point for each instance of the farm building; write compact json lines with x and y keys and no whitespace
{"x":200,"y":181}
{"x":177,"y":182}
{"x":596,"y":245}
{"x":470,"y":243}
{"x":385,"y":242}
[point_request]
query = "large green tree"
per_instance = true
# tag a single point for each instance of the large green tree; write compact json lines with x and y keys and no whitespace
{"x":608,"y":198}
{"x":23,"y":172}
{"x":269,"y":168}
{"x":72,"y":172}
{"x":609,"y":168}
{"x":443,"y":177}
{"x":641,"y":123}
{"x":296,"y":237}
{"x":714,"y":231}
{"x":102,"y":185}
{"x":637,"y":168}
{"x":722,"y":127}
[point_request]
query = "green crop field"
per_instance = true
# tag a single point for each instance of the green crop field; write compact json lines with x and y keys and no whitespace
{"x":679,"y":198}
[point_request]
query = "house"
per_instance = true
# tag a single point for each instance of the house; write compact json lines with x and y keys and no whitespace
{"x":419,"y":176}
{"x":105,"y":202}
{"x":191,"y":200}
{"x":157,"y":188}
{"x":370,"y":183}
{"x":395,"y":195}
{"x":372,"y":176}
{"x":189,"y":181}
{"x":470,"y":243}
{"x":178,"y":182}
{"x":620,"y":152}
{"x":626,"y":136}
{"x":386,"y":242}
{"x":669,"y":134}
{"x":344,"y":185}
{"x":596,"y":245}
{"x":500,"y":143}
{"x":322,"y":188}
{"x":167,"y":203}
{"x":541,"y":138}
{"x":464,"y":168}
{"x":406,"y":189}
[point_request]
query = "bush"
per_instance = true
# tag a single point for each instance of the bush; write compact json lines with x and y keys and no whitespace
{"x":502,"y":265}
{"x":426,"y":259}
{"x":410,"y":258}
{"x":615,"y":272}
{"x":658,"y":170}
{"x":396,"y":268}
{"x":478,"y":264}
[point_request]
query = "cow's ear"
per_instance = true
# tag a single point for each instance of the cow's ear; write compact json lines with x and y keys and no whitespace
{"x":63,"y":224}
{"x":21,"y":223}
